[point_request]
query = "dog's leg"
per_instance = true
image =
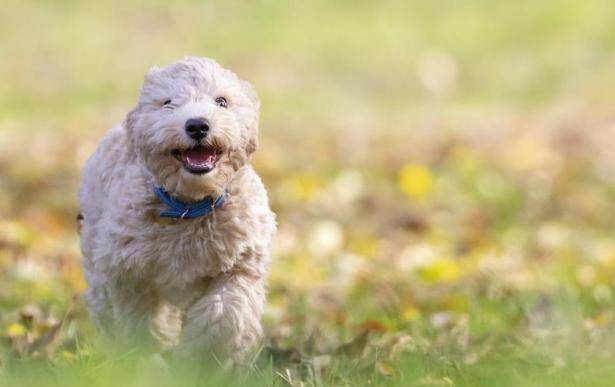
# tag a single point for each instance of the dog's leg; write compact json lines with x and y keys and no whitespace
{"x":97,"y":301}
{"x":225,"y":321}
{"x":133,"y":308}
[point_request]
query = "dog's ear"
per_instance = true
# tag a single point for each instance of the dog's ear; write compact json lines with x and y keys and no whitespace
{"x":130,"y":120}
{"x":128,"y":124}
{"x":250,"y":91}
{"x":152,"y":73}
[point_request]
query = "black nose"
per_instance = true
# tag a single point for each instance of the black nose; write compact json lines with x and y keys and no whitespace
{"x":197,"y":128}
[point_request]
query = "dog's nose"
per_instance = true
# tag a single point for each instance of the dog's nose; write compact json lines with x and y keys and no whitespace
{"x":197,"y":128}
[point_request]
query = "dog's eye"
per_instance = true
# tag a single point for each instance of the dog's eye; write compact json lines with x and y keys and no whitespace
{"x":221,"y":101}
{"x":167,"y":102}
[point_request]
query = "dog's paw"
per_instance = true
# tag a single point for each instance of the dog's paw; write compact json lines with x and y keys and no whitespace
{"x":166,"y":325}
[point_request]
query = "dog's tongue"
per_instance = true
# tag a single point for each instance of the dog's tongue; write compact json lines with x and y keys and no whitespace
{"x":199,"y":157}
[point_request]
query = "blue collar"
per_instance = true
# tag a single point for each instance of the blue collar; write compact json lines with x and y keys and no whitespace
{"x":183,"y":211}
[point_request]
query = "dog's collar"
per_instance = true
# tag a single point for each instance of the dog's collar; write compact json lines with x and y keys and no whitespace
{"x":180,"y":210}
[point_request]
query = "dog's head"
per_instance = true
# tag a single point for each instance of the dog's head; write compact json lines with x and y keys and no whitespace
{"x":196,"y":123}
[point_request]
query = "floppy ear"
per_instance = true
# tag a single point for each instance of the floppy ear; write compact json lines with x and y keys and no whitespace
{"x":128,"y":124}
{"x":252,"y":126}
{"x":250,"y":91}
{"x":152,"y":73}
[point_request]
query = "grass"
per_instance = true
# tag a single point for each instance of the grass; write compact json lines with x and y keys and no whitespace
{"x":442,"y":174}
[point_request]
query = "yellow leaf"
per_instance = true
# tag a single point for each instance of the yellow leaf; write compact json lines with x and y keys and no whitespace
{"x":384,"y":368}
{"x":416,"y":181}
{"x":301,"y":187}
{"x":365,"y":245}
{"x":411,"y":313}
{"x":68,"y":355}
{"x":16,"y":329}
{"x":443,"y":270}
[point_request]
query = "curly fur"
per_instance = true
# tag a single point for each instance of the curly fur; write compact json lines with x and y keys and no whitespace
{"x":208,"y":274}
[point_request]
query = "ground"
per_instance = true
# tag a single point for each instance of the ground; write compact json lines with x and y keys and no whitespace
{"x":442,"y":172}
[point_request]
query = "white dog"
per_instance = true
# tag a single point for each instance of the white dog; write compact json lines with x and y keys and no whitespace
{"x":172,"y":214}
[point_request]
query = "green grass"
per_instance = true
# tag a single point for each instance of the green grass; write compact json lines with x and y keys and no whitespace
{"x":442,"y":173}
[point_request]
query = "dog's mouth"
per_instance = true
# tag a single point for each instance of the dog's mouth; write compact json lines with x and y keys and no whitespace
{"x":199,"y":159}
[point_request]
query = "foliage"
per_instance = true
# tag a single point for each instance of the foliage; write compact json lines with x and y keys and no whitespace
{"x":442,"y":172}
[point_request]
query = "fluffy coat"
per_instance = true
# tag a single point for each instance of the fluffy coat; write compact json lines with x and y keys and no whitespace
{"x":209,"y":273}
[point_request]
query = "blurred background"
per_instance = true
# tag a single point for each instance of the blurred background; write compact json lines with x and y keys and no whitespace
{"x":442,"y":171}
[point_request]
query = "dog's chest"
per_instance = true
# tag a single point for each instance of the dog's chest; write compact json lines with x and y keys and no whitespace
{"x":186,"y":250}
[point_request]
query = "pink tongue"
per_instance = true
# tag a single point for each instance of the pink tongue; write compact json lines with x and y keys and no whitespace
{"x":200,"y":157}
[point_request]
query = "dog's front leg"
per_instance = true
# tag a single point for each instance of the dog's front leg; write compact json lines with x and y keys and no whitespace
{"x":133,"y":308}
{"x":224,"y":322}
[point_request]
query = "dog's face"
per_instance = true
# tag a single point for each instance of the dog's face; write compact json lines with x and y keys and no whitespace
{"x":194,"y":126}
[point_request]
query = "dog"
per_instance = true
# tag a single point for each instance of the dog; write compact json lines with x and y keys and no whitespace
{"x":174,"y":218}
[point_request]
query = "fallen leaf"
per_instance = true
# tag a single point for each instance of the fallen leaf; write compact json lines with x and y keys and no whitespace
{"x":384,"y":368}
{"x":356,"y":346}
{"x":16,"y":330}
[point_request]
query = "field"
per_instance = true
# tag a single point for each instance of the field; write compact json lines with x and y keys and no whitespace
{"x":443,"y":175}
